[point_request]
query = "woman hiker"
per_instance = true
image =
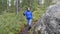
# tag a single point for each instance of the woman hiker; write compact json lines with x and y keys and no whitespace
{"x":28,"y":14}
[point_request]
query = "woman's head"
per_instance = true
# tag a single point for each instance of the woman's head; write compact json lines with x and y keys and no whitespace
{"x":28,"y":8}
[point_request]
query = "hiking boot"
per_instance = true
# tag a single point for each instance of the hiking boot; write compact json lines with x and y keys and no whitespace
{"x":29,"y":28}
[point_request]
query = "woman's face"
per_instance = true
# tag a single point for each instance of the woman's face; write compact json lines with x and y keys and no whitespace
{"x":28,"y":8}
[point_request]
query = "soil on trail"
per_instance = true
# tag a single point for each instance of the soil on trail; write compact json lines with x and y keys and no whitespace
{"x":24,"y":30}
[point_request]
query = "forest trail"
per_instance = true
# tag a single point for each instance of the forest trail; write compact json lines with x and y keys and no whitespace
{"x":24,"y":30}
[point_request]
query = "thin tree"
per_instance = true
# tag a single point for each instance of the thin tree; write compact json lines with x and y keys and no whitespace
{"x":17,"y":5}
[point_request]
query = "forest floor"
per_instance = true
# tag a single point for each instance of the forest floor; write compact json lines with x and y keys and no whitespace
{"x":24,"y":30}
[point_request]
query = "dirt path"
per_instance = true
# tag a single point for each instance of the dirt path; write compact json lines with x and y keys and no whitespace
{"x":24,"y":30}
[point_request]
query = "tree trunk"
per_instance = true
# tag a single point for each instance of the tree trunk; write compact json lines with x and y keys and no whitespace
{"x":17,"y":6}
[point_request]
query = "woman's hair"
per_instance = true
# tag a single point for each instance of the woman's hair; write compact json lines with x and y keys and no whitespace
{"x":27,"y":8}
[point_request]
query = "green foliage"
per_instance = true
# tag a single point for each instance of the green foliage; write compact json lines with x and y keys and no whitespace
{"x":38,"y":13}
{"x":10,"y":23}
{"x":47,"y":3}
{"x":3,"y":5}
{"x":33,"y":4}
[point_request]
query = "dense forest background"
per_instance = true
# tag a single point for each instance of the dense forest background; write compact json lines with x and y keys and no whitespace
{"x":11,"y":13}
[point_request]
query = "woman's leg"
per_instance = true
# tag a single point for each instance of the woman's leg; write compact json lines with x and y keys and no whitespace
{"x":29,"y":24}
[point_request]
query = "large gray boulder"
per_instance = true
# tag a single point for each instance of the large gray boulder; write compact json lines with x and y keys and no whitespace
{"x":50,"y":21}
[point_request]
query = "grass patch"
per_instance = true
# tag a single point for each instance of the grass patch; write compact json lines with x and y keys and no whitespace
{"x":10,"y":23}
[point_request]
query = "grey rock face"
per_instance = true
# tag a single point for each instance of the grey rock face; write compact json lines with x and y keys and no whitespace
{"x":50,"y":22}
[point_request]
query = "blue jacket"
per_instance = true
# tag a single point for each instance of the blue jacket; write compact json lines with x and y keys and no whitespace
{"x":28,"y":14}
